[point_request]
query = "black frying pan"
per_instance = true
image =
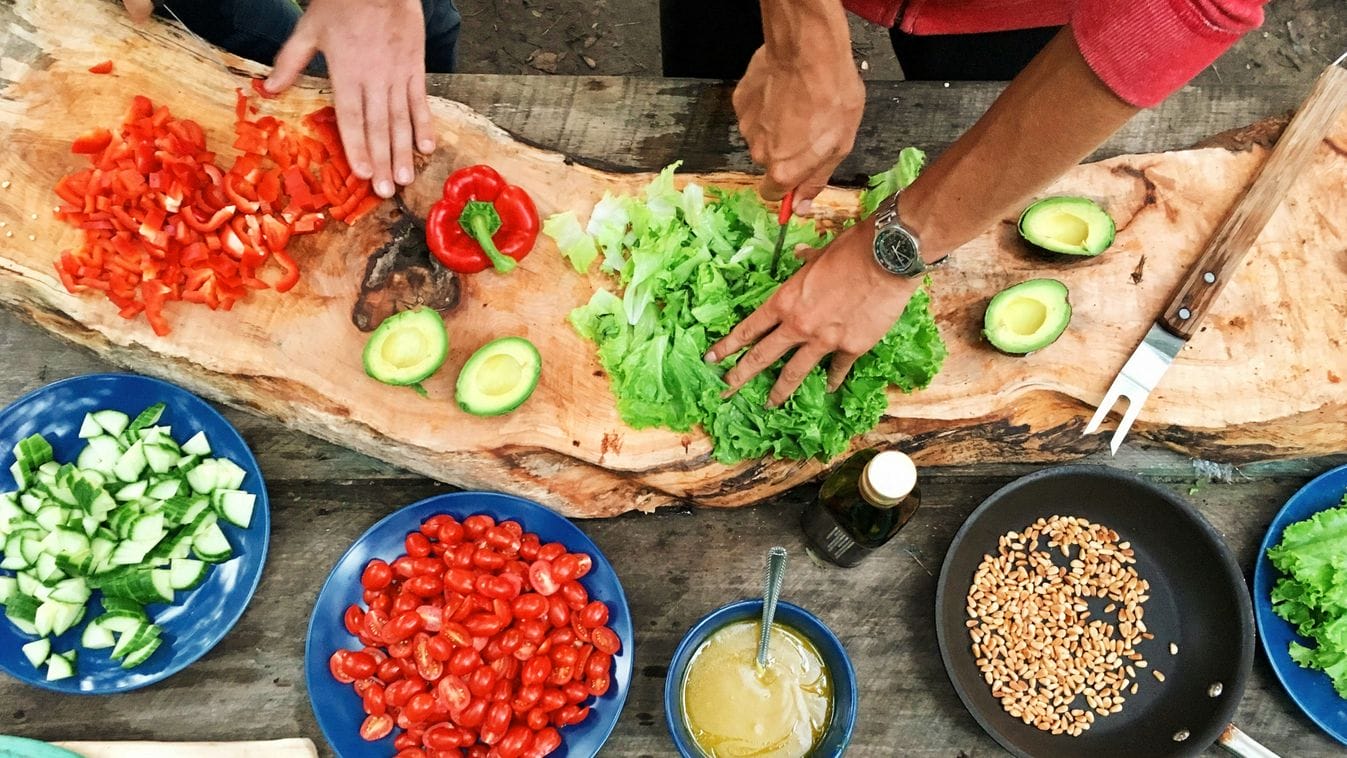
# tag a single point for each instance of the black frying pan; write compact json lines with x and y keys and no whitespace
{"x":1198,"y":600}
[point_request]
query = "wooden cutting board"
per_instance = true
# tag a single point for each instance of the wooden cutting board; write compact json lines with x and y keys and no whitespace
{"x":1263,"y":380}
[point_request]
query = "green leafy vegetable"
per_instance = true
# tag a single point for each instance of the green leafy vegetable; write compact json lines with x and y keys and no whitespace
{"x":575,"y":245}
{"x":1313,"y":594}
{"x":693,"y":264}
{"x":903,"y":173}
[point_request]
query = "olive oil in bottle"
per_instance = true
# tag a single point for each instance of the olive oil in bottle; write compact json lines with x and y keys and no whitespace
{"x":861,"y":506}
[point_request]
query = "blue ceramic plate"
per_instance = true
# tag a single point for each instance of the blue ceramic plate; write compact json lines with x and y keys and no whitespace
{"x":200,"y":618}
{"x":1311,"y":690}
{"x":337,"y":706}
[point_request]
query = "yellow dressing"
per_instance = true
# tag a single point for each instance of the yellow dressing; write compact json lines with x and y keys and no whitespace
{"x":736,"y":710}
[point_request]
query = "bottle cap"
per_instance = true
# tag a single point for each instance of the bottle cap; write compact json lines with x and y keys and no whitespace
{"x":888,"y":478}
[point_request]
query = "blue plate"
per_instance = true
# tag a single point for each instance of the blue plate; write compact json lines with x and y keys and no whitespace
{"x":337,"y":706}
{"x":201,"y":617}
{"x":1311,"y":690}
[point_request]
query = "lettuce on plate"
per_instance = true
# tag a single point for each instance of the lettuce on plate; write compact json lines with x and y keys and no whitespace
{"x":1313,"y":594}
{"x":693,"y":263}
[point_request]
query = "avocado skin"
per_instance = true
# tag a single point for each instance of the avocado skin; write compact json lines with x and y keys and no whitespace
{"x":426,"y":319}
{"x":1054,"y":297}
{"x":465,"y":394}
{"x":1088,"y":210}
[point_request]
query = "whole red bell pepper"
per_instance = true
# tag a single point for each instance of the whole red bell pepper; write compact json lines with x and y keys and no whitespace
{"x":481,"y":221}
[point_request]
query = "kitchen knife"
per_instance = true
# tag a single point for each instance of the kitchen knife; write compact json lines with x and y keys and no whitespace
{"x":1224,"y":251}
{"x":211,"y":51}
{"x":782,"y":220}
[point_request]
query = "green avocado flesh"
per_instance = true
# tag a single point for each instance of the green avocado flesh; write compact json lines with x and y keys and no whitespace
{"x":499,"y":377}
{"x":407,"y":347}
{"x":1070,"y":225}
{"x":1027,"y":317}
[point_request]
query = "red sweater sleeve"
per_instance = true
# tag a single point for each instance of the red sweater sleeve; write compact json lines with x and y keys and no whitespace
{"x":1145,"y":50}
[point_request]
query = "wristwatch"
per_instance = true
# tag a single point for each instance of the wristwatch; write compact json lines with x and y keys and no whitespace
{"x":897,"y":249}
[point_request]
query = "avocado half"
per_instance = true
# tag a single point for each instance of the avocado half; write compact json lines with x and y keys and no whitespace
{"x":1028,"y":316}
{"x":1068,"y":225}
{"x":499,"y":377}
{"x":407,"y":347}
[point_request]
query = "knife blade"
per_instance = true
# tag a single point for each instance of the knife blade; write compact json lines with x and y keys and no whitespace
{"x":210,"y":51}
{"x":782,"y":220}
{"x":1227,"y":247}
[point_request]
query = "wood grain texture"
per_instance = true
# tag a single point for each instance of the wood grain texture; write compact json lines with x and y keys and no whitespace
{"x":675,"y":565}
{"x":1241,"y":227}
{"x":295,"y":357}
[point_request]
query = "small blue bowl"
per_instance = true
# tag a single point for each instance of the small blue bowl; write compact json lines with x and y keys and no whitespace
{"x":838,"y":736}
{"x":1311,"y":690}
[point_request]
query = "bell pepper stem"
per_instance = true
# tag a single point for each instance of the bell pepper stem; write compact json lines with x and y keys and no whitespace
{"x":481,"y":220}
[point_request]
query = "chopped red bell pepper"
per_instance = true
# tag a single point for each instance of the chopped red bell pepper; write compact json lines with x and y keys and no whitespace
{"x":90,"y":142}
{"x":101,"y":68}
{"x":481,"y":221}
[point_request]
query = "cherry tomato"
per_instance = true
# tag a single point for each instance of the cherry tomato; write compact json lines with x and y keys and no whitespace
{"x":432,"y":617}
{"x":404,"y":568}
{"x":575,"y":692}
{"x":481,"y":681}
{"x":598,"y":685}
{"x":439,"y":648}
{"x":353,"y":619}
{"x":536,"y":670}
{"x":456,"y":634}
{"x":398,"y":693}
{"x":404,"y":740}
{"x":503,"y":541}
{"x":488,"y":559}
{"x":606,"y":640}
{"x":528,"y":547}
{"x":402,"y":626}
{"x":565,"y":568}
{"x":405,"y":602}
{"x":483,"y":624}
{"x":417,"y":545}
{"x":424,"y":585}
{"x":337,"y":665}
{"x":477,"y":525}
{"x":359,"y":665}
{"x":441,"y":736}
{"x":599,"y":664}
{"x":496,"y":723}
{"x":374,"y":623}
{"x":580,"y":630}
{"x":584,"y":564}
{"x":428,"y":666}
{"x":575,"y":595}
{"x":464,"y":661}
{"x":595,"y":614}
{"x":402,"y":650}
{"x":454,"y":693}
{"x":513,"y":744}
{"x":546,"y":740}
{"x":419,"y":707}
{"x":459,"y":580}
{"x":527,"y":697}
{"x":541,"y":578}
{"x":558,"y":613}
{"x":373,"y":701}
{"x":410,"y":752}
{"x":537,"y":719}
{"x":551,"y":699}
{"x":376,"y":576}
{"x":389,"y":671}
{"x":377,"y":601}
{"x":530,"y":606}
{"x":551,"y":551}
{"x":472,"y":716}
{"x":502,"y":691}
{"x":376,"y":727}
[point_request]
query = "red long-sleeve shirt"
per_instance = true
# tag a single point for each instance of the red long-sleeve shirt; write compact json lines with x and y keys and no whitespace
{"x":1143,"y":50}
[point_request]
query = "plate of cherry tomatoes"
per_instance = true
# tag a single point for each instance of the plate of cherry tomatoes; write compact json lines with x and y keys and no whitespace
{"x":474,"y":624}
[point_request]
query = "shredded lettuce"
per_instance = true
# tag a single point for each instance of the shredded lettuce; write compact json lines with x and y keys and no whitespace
{"x":1313,"y":594}
{"x":693,"y":264}
{"x":577,"y":246}
{"x":904,"y":172}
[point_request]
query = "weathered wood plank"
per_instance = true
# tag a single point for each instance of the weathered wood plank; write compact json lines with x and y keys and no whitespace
{"x":628,"y":123}
{"x":675,"y":566}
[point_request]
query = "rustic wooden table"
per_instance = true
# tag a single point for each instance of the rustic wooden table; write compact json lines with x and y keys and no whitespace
{"x":677,"y":564}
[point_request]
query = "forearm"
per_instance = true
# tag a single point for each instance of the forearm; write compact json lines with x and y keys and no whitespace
{"x":805,"y":30}
{"x":1053,"y":115}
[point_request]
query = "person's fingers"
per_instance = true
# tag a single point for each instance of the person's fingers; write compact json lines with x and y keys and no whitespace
{"x":782,"y":176}
{"x":377,"y":138}
{"x":838,"y":369}
{"x":810,"y":189}
{"x":794,"y":372}
{"x":400,"y":127}
{"x":293,"y":56}
{"x":346,"y":99}
{"x":748,"y":331}
{"x":423,"y":125}
{"x":138,"y":10}
{"x":762,"y":355}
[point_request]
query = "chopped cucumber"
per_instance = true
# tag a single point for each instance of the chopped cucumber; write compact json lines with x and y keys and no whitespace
{"x":37,"y":651}
{"x":135,"y":516}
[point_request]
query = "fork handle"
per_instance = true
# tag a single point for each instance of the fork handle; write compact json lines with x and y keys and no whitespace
{"x":1241,"y":227}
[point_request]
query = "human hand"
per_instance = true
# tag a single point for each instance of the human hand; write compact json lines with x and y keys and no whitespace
{"x":799,"y":113}
{"x":139,"y":10}
{"x":840,"y":303}
{"x":375,"y":52}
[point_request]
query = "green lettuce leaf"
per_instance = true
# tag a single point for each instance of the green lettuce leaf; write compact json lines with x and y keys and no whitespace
{"x":904,"y":172}
{"x":1312,"y":593}
{"x":577,"y":246}
{"x":695,"y":262}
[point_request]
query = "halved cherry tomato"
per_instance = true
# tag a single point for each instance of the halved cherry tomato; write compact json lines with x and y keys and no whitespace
{"x":541,"y":578}
{"x":336,"y":664}
{"x":454,"y":693}
{"x":353,"y":619}
{"x":375,"y":728}
{"x":606,"y":640}
{"x":575,"y":595}
{"x":377,"y":575}
{"x":595,"y":614}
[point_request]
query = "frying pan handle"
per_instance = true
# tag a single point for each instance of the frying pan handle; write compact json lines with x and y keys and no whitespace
{"x":1241,"y":744}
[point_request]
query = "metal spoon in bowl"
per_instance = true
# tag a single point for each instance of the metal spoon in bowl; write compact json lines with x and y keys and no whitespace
{"x":776,"y":570}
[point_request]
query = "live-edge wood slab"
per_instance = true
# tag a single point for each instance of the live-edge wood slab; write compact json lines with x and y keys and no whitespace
{"x":1264,"y":380}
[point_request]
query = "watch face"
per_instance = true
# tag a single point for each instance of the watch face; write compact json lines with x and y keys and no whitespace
{"x":897,"y":252}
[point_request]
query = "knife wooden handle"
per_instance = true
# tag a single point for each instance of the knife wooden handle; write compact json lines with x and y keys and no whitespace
{"x":1236,"y":234}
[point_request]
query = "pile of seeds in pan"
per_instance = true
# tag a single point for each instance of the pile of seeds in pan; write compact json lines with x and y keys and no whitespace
{"x":1050,"y":661}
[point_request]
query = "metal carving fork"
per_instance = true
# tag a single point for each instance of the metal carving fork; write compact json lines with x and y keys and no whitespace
{"x":1224,"y":251}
